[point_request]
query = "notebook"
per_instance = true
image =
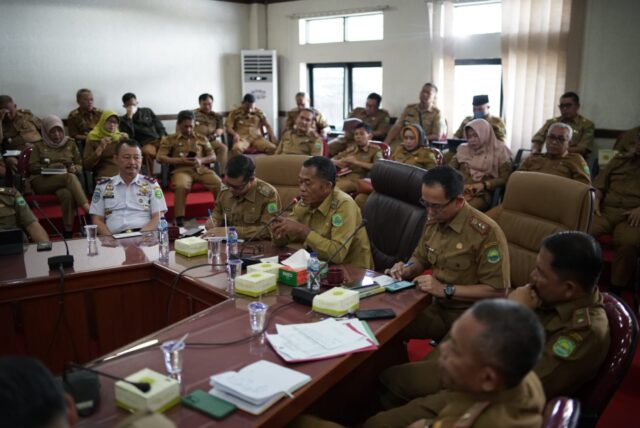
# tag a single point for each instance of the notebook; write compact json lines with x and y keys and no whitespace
{"x":257,"y":386}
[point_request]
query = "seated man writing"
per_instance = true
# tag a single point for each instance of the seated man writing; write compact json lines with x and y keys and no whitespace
{"x":325,"y":219}
{"x":356,"y":160}
{"x":247,"y":202}
{"x":128,"y":201}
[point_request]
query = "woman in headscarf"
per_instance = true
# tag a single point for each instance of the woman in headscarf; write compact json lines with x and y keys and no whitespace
{"x":101,"y":146}
{"x":413,"y":150}
{"x":57,"y":151}
{"x":484,"y":162}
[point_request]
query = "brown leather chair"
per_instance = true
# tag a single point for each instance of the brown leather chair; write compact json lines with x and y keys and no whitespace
{"x":395,"y":218}
{"x":561,"y":412}
{"x":281,"y":172}
{"x":535,"y":206}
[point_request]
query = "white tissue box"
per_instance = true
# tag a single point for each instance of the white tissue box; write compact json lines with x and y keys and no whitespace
{"x":272,"y":268}
{"x":192,"y":246}
{"x":255,"y":283}
{"x":164,"y":392}
{"x":336,"y":302}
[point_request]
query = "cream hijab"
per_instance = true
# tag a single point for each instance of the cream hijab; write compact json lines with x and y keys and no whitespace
{"x":48,"y":123}
{"x":486,"y":160}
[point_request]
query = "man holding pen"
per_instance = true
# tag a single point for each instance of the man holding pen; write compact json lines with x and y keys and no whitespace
{"x":466,"y":251}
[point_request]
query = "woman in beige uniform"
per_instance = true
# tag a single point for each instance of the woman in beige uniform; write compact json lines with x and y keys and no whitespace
{"x":56,"y":150}
{"x":484,"y":162}
{"x":101,"y":146}
{"x":413,"y":150}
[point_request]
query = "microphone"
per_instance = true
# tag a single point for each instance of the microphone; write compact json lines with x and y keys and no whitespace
{"x":305,"y":296}
{"x":56,"y":261}
{"x":249,"y":261}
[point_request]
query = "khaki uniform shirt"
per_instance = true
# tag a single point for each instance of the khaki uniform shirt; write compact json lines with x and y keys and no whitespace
{"x":470,"y":249}
{"x":14,"y":211}
{"x":380,"y":122}
{"x":43,"y":156}
{"x":294,"y":143}
{"x":430,"y":120}
{"x":619,"y":182}
{"x":626,"y":143}
{"x":103,"y":165}
{"x":583,"y":134}
{"x":339,"y":144}
{"x":331,"y":224}
{"x":179,"y":146}
{"x":577,"y":342}
{"x":422,"y":157}
{"x":369,"y":154}
{"x":320,"y":122}
{"x":81,"y":122}
{"x":499,"y":128}
{"x":250,"y":212}
{"x":247,"y":125}
{"x":22,"y":130}
{"x":207,"y":123}
{"x":572,"y":166}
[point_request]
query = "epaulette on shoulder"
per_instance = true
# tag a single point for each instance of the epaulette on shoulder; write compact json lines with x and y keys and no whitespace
{"x":25,"y":110}
{"x":224,"y":188}
{"x":479,"y":225}
{"x":150,"y":179}
{"x":581,"y":318}
{"x":10,"y":191}
{"x":265,"y":190}
{"x":104,"y":181}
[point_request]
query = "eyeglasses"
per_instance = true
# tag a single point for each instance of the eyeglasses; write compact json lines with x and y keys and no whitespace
{"x":565,"y":105}
{"x":237,"y":187}
{"x":435,"y":207}
{"x":556,"y":138}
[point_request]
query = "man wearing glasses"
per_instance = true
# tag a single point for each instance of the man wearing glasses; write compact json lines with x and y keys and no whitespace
{"x":558,"y":160}
{"x":326,"y":218}
{"x":248,"y":202}
{"x":466,"y":251}
{"x":583,"y":128}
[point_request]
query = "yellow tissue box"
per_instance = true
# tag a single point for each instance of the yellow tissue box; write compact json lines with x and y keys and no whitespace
{"x":164,"y":392}
{"x":255,"y":283}
{"x":272,"y":268}
{"x":336,"y":302}
{"x":191,"y":247}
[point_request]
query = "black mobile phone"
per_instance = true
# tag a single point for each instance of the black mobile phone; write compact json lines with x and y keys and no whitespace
{"x":191,"y":154}
{"x":208,"y":404}
{"x":44,"y":246}
{"x":375,"y":314}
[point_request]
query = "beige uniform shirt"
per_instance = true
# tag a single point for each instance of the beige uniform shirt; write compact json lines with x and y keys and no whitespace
{"x":430,"y":120}
{"x":331,"y":224}
{"x":422,"y":157}
{"x":22,"y":130}
{"x":499,"y":128}
{"x":295,"y":143}
{"x":320,"y":122}
{"x":81,"y":122}
{"x":619,"y":182}
{"x":247,"y":125}
{"x":470,"y":249}
{"x":250,"y":212}
{"x":380,"y":122}
{"x":179,"y":146}
{"x":102,"y":165}
{"x":583,"y":134}
{"x":572,"y":166}
{"x":207,"y":123}
{"x":626,"y":143}
{"x":43,"y":156}
{"x":14,"y":211}
{"x":369,"y":154}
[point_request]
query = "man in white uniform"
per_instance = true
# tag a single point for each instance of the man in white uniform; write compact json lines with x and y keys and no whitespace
{"x":128,"y":201}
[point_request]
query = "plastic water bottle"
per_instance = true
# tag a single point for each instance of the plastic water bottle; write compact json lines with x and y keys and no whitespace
{"x":313,"y":272}
{"x":232,"y":242}
{"x":163,"y":238}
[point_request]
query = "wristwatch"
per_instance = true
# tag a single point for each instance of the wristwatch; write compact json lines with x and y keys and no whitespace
{"x":449,"y":291}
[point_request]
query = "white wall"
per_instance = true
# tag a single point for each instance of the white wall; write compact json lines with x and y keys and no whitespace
{"x":167,"y":52}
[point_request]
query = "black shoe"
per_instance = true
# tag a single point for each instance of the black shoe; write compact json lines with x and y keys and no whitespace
{"x":67,"y":234}
{"x":180,"y":221}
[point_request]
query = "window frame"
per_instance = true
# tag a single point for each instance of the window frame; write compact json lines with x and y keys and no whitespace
{"x":348,"y":89}
{"x":486,"y":61}
{"x":344,"y":19}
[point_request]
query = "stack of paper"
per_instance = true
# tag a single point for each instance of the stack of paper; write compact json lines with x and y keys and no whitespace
{"x":257,"y":386}
{"x":320,"y":340}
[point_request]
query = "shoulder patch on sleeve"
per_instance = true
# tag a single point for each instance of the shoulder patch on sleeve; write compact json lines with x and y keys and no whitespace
{"x":563,"y":347}
{"x":272,"y":208}
{"x":479,"y":225}
{"x":96,"y":196}
{"x":337,"y":220}
{"x":20,"y":200}
{"x":581,"y":318}
{"x":493,"y":254}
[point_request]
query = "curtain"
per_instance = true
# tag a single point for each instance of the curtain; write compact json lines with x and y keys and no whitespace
{"x":440,"y":15}
{"x":535,"y":39}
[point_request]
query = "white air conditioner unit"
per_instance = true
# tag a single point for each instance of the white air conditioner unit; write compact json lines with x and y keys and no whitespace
{"x":260,"y":78}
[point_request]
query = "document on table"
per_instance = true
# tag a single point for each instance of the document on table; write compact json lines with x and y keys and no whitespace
{"x":319,"y":340}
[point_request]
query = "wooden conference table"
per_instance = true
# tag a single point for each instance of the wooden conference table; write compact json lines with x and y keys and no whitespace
{"x":115,"y":305}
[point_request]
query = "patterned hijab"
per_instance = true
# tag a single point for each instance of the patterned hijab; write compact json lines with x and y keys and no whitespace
{"x":486,"y":159}
{"x":48,"y":123}
{"x":98,"y":132}
{"x":417,"y":131}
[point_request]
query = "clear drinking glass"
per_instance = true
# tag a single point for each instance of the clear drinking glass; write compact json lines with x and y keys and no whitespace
{"x":257,"y":316}
{"x":172,"y":351}
{"x":91,"y":231}
{"x":234,"y":268}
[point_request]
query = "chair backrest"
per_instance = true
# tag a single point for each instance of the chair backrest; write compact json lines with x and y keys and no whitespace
{"x":623,"y":329}
{"x":386,"y":150}
{"x":561,"y":412}
{"x":395,"y":218}
{"x":281,"y":171}
{"x":535,"y":206}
